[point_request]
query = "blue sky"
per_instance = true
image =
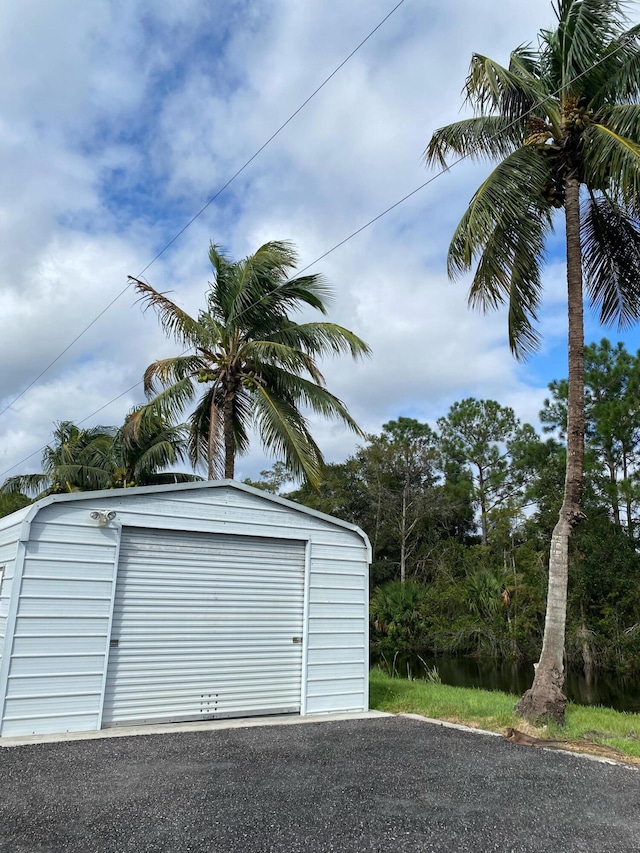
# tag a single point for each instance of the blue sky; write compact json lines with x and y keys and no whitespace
{"x":121,"y":119}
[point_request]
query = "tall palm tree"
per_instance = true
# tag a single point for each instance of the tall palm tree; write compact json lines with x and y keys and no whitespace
{"x":563,"y":119}
{"x":257,"y":365}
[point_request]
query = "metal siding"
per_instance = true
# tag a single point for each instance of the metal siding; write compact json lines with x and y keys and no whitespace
{"x":9,"y":537}
{"x":61,"y":630}
{"x":205,"y":626}
{"x":6,"y":583}
{"x":69,"y":722}
{"x":337,"y":663}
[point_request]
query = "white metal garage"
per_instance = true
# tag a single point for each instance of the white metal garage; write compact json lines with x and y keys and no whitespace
{"x":184,"y":602}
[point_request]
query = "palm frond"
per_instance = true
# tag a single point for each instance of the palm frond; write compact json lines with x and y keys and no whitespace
{"x":258,"y":275}
{"x":169,"y":404}
{"x":525,"y":62}
{"x":294,"y":293}
{"x":514,"y":186}
{"x":28,"y":484}
{"x":509,"y":273}
{"x":285,"y":434}
{"x":242,"y":409}
{"x":205,"y":438}
{"x":82,"y":477}
{"x":156,"y":456}
{"x":612,"y":162}
{"x":611,"y":259}
{"x":482,"y":137}
{"x":224,"y":287}
{"x":168,"y":478}
{"x":272,"y":260}
{"x":168,"y":371}
{"x":213,"y":329}
{"x":620,"y":79}
{"x":299,"y":391}
{"x":256,"y":354}
{"x":174,"y":321}
{"x":144,"y":445}
{"x":586,"y":28}
{"x":490,"y":87}
{"x":319,"y":339}
{"x":622,"y":119}
{"x":219,"y":261}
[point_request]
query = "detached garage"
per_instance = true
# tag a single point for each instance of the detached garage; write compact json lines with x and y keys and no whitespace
{"x":186,"y":602}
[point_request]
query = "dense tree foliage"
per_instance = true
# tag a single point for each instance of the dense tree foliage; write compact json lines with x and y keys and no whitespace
{"x":479,"y":436}
{"x":483,"y":592}
{"x":11,"y":502}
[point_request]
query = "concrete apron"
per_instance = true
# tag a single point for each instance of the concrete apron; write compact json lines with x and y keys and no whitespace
{"x":198,"y":726}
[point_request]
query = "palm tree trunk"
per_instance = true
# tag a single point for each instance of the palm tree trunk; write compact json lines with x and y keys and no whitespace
{"x":211,"y":443}
{"x":545,"y":699}
{"x":229,"y":438}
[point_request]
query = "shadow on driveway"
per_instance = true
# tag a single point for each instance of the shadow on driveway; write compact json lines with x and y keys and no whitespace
{"x":391,"y":784}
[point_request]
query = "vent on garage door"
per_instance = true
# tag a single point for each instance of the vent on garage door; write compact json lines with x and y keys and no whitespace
{"x":204,"y":626}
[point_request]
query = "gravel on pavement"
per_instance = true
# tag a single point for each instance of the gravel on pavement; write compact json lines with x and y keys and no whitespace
{"x":389,"y":784}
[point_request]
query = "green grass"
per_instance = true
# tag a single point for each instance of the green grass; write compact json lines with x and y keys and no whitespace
{"x":493,"y":711}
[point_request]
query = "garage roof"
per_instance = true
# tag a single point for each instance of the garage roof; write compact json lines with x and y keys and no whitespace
{"x":28,"y":513}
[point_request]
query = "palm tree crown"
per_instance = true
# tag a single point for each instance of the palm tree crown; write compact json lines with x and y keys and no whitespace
{"x":258,"y":367}
{"x":141,"y":452}
{"x":74,"y":461}
{"x":105,"y":457}
{"x":563,"y":113}
{"x":563,"y":120}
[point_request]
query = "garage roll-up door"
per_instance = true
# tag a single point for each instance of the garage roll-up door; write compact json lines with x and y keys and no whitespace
{"x":204,"y":626}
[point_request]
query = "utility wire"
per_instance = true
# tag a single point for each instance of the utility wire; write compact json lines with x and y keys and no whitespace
{"x":203,"y":208}
{"x":346,"y":239}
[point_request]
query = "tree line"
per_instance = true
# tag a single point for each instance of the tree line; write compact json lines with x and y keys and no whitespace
{"x":460,"y":519}
{"x":459,"y":515}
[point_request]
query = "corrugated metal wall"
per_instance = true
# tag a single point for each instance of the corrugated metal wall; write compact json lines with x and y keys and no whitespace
{"x":61,"y":633}
{"x":56,"y":679}
{"x":9,"y":535}
{"x":338,"y":653}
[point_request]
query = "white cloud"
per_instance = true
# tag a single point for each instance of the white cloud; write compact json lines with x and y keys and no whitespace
{"x":122,"y":118}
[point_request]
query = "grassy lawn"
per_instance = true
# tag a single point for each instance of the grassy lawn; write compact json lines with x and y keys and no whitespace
{"x":493,"y":711}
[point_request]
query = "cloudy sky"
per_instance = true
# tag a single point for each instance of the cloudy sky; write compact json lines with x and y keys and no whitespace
{"x":120,"y":119}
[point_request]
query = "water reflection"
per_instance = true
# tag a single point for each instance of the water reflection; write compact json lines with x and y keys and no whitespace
{"x":612,"y":691}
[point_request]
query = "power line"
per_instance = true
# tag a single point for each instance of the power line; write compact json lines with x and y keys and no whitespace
{"x":204,"y":207}
{"x":342,"y":242}
{"x":437,"y":175}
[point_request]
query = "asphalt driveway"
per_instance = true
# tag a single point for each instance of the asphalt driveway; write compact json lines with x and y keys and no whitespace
{"x":388,"y":784}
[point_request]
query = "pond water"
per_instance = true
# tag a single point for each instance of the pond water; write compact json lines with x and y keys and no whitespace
{"x":612,"y":691}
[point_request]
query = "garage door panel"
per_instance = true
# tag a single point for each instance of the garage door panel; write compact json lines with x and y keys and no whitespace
{"x":204,"y":626}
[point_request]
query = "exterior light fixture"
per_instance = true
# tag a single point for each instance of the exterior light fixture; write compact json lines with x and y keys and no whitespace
{"x":103,"y":515}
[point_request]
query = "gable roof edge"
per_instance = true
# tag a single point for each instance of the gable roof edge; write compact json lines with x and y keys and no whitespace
{"x":35,"y":508}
